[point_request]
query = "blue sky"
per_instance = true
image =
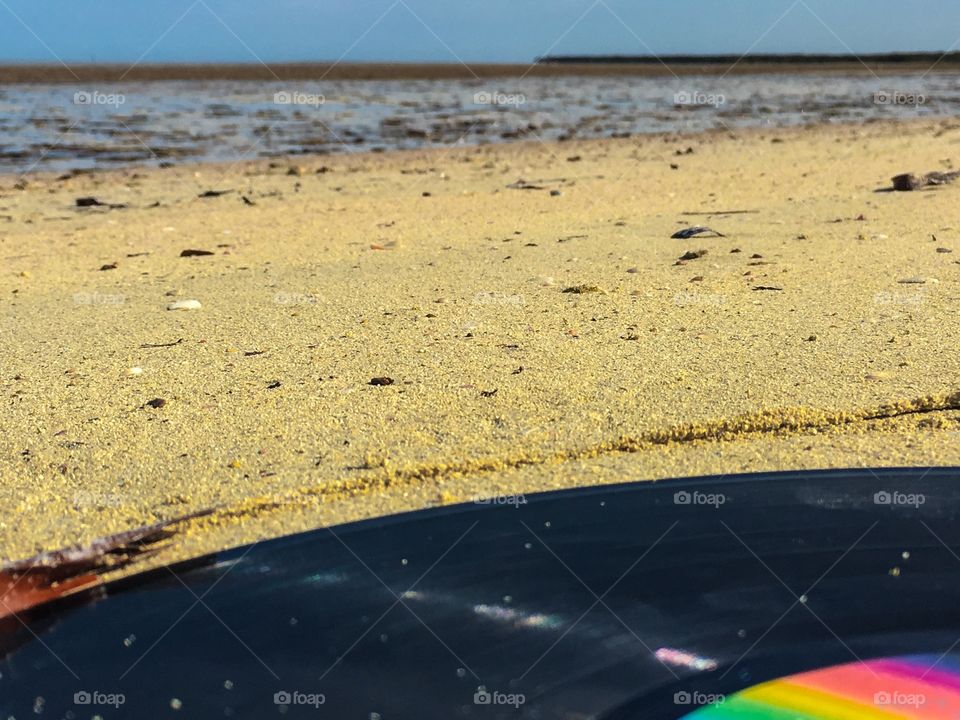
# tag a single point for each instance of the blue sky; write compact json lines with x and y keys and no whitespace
{"x":471,"y":30}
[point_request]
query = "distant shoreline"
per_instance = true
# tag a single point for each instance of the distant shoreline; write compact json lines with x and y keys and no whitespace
{"x":550,"y":66}
{"x":814,"y":59}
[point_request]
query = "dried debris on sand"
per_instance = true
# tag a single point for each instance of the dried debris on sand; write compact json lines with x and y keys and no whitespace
{"x":56,"y":574}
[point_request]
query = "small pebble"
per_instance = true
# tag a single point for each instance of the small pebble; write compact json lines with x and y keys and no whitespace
{"x":135,"y":371}
{"x":156,"y":403}
{"x":185,"y":305}
{"x":381,"y":381}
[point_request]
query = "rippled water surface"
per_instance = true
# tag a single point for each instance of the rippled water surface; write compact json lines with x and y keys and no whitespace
{"x":57,"y":127}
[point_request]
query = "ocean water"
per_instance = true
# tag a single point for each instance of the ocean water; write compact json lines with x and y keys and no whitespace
{"x":58,"y":127}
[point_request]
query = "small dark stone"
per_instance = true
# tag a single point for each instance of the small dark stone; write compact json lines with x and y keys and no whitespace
{"x":274,"y":385}
{"x":195,"y":253}
{"x":693,"y":254}
{"x":906,"y":182}
{"x":381,"y":381}
{"x":89,"y":202}
{"x":156,"y":403}
{"x":109,"y":266}
{"x":488,"y":393}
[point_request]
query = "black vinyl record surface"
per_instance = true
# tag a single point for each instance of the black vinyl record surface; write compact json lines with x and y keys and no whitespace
{"x":607,"y":603}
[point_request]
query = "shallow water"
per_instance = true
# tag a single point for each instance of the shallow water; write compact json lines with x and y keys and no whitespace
{"x":58,"y":127}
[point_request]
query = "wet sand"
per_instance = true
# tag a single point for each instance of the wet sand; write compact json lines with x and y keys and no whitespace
{"x":656,"y":67}
{"x":526,"y":303}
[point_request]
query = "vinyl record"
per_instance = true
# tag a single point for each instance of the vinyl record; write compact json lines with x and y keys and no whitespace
{"x":791,"y":595}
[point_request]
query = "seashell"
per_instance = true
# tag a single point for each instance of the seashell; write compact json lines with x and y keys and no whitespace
{"x":185,"y":305}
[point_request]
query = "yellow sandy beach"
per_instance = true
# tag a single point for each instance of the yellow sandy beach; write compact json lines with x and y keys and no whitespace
{"x":526,"y":301}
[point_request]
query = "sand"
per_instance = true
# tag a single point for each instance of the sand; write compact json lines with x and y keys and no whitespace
{"x":429,"y":269}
